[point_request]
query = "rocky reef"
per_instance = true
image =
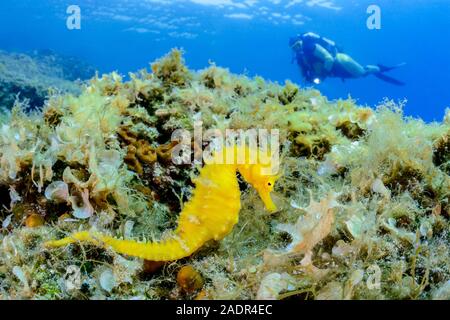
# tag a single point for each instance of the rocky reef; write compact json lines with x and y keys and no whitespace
{"x":363,"y":199}
{"x":31,"y":76}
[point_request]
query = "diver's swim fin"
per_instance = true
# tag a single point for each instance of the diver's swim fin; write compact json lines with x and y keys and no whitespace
{"x":384,"y":68}
{"x":382,"y":76}
{"x":388,"y":79}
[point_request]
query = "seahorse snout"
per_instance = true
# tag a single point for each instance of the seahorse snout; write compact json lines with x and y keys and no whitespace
{"x":267,"y":200}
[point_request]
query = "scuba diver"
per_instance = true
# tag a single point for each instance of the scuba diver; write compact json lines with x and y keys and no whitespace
{"x":319,"y":58}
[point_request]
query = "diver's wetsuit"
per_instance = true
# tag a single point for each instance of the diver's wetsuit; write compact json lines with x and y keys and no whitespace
{"x":314,"y":54}
{"x":345,"y":67}
{"x":319,"y":58}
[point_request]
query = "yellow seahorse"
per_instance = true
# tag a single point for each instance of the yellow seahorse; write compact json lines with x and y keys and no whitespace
{"x":211,"y":213}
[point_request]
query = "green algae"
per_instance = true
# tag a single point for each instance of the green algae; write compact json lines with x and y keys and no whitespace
{"x":389,"y":238}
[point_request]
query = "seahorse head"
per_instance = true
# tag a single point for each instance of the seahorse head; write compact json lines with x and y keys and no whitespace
{"x":257,"y":175}
{"x":257,"y":168}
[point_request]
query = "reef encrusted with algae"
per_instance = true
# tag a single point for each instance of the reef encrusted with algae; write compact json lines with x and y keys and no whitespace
{"x":363,"y":198}
{"x":31,"y":76}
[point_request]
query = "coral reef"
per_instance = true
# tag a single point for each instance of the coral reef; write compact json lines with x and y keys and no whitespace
{"x":363,"y":199}
{"x":31,"y":76}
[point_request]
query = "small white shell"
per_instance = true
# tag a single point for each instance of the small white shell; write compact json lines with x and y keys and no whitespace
{"x":57,"y":191}
{"x":107,"y":280}
{"x":20,"y":274}
{"x":379,"y":187}
{"x":86,"y":210}
{"x":128,"y":229}
{"x":15,"y":197}
{"x":7,"y":221}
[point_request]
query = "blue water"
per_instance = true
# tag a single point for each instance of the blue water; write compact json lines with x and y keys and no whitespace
{"x":250,"y":37}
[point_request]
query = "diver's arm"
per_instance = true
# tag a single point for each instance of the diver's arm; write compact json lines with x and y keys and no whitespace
{"x":325,"y":56}
{"x":325,"y":43}
{"x":330,"y":46}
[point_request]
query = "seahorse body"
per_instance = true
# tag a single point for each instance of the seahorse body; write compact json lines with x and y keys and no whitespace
{"x":211,"y":213}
